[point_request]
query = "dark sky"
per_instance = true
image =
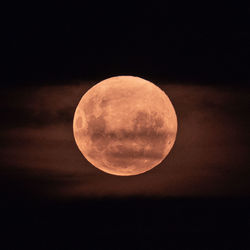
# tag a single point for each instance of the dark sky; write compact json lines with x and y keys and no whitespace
{"x":201,"y":42}
{"x":52,"y":198}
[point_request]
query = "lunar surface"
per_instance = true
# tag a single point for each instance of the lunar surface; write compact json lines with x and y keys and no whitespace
{"x":125,"y":125}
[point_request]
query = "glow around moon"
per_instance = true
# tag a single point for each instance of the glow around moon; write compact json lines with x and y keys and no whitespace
{"x":125,"y":125}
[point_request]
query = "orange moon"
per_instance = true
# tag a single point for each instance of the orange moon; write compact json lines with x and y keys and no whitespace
{"x":125,"y":125}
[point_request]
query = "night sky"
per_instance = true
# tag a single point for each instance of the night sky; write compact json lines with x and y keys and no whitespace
{"x":197,"y":198}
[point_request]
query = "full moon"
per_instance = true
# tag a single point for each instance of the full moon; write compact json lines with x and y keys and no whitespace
{"x":125,"y":125}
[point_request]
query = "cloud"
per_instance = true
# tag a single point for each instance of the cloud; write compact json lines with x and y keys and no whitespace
{"x":210,"y":156}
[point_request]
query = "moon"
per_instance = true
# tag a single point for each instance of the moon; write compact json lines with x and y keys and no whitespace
{"x":125,"y":125}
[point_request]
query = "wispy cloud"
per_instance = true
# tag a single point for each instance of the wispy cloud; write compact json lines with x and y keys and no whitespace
{"x":210,"y":156}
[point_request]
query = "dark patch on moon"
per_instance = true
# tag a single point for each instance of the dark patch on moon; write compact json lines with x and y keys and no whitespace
{"x":96,"y":128}
{"x":149,"y":121}
{"x":144,"y":142}
{"x":96,"y":131}
{"x":126,"y":152}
